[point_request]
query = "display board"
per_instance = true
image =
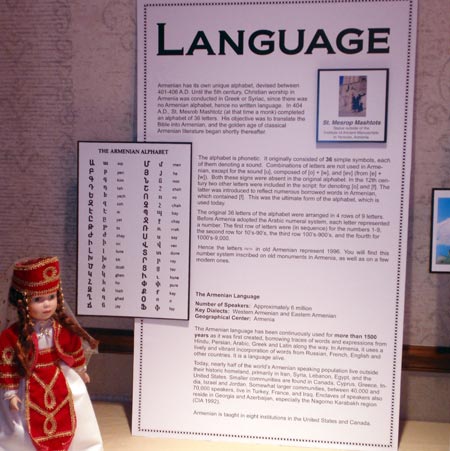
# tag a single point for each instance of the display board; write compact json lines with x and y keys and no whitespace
{"x":299,"y":226}
{"x":133,"y":220}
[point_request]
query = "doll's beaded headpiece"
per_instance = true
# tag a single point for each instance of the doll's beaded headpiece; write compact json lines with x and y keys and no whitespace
{"x":37,"y":277}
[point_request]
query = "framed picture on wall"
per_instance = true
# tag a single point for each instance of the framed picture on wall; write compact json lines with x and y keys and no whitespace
{"x":440,"y":230}
{"x":352,"y":105}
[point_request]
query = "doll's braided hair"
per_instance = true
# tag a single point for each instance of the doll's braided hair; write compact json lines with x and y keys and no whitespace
{"x":25,"y":347}
{"x":69,"y":322}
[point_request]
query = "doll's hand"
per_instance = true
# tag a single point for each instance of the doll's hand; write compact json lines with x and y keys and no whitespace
{"x":85,"y":377}
{"x":14,"y":403}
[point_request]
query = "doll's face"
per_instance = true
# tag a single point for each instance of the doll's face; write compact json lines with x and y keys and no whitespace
{"x":43,"y":307}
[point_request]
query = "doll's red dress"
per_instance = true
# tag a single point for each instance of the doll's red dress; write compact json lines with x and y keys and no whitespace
{"x":49,"y":409}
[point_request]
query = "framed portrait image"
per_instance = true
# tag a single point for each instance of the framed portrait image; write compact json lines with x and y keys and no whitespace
{"x":440,"y":230}
{"x":352,"y":105}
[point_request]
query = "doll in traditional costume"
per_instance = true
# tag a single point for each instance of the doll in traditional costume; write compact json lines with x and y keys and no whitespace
{"x":44,"y":404}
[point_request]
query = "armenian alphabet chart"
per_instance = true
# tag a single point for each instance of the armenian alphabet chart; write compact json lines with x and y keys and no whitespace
{"x":134,"y":216}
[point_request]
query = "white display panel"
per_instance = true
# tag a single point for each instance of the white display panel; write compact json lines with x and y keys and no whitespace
{"x":298,"y":246}
{"x":133,"y":220}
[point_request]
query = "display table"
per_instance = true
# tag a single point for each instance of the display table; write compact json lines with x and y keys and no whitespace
{"x":115,"y":420}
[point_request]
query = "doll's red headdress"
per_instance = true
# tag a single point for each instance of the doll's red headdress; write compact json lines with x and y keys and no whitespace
{"x":37,"y":277}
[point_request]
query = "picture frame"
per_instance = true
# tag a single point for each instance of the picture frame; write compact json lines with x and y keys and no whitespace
{"x":134,"y":212}
{"x":352,"y":105}
{"x":440,"y":231}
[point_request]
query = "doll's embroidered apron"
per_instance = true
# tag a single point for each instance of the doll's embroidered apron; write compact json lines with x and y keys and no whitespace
{"x":49,"y":406}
